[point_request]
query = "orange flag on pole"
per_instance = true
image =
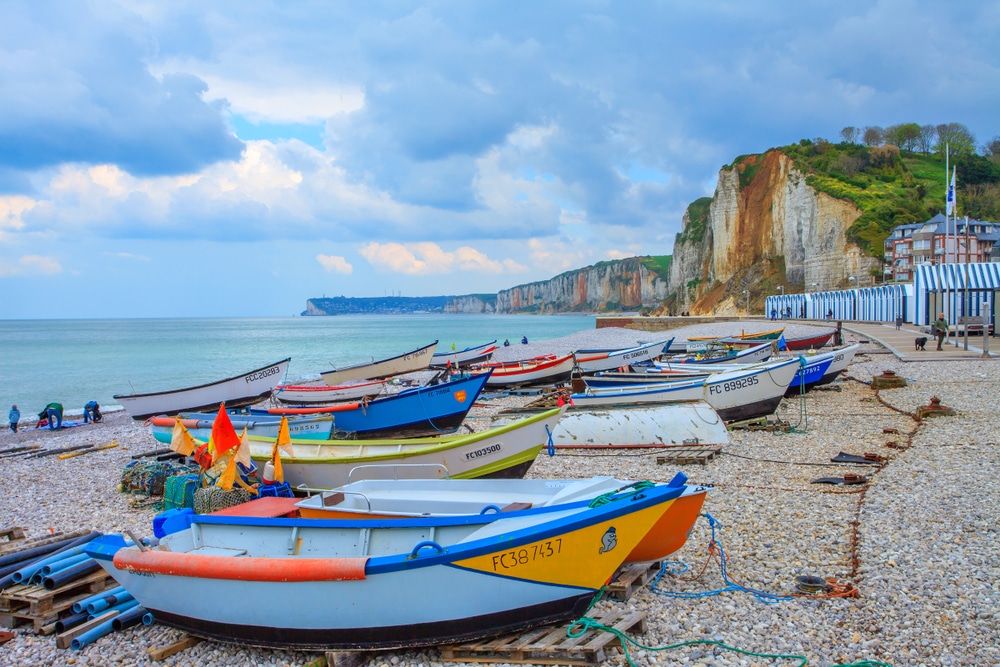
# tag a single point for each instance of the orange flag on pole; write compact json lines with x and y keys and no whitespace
{"x":224,"y":435}
{"x":228,"y":475}
{"x":282,"y":443}
{"x":181,"y":440}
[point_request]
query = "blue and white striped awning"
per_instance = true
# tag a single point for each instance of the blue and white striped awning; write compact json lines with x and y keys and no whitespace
{"x":945,"y":277}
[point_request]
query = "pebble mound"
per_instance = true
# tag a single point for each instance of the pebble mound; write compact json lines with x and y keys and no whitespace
{"x":919,"y":541}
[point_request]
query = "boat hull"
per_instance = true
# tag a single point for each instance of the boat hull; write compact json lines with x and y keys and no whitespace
{"x":417,"y":360}
{"x":593,"y":361}
{"x":508,"y":451}
{"x":236,"y":392}
{"x":314,"y":584}
{"x":521,"y":374}
{"x":809,"y":375}
{"x":841,"y":360}
{"x":325,"y":395}
{"x":464,"y":358}
{"x":654,"y":425}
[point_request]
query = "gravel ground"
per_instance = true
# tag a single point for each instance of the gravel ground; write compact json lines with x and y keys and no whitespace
{"x":919,"y":541}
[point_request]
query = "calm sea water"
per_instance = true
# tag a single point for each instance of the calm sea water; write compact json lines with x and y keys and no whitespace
{"x":74,"y":361}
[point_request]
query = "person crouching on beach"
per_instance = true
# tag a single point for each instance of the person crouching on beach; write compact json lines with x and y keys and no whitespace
{"x":92,"y":412}
{"x":13,"y":416}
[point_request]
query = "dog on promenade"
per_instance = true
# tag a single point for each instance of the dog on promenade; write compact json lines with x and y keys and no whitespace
{"x":918,"y":343}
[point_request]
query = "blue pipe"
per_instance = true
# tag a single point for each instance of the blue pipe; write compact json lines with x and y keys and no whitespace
{"x":64,"y":624}
{"x":127,"y":619}
{"x":57,"y":579}
{"x":147,"y":619}
{"x":25,"y":573}
{"x":61,"y":566}
{"x":65,"y":562}
{"x":81,"y":605}
{"x":93,"y":634}
{"x":108,"y":602}
{"x":119,"y":608}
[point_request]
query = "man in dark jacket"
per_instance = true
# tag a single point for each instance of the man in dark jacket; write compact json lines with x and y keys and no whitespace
{"x":53,"y":412}
{"x":940,"y":329}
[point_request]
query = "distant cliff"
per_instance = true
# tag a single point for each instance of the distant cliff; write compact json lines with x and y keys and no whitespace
{"x":389,"y":305}
{"x":765,"y":227}
{"x":613,"y":286}
{"x":472,"y":303}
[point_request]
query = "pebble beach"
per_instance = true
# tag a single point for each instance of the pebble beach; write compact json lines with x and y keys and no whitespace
{"x":920,"y":541}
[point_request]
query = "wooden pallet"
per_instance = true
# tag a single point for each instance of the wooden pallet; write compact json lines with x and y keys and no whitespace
{"x":22,"y":604}
{"x":550,"y":645}
{"x":688,"y":454}
{"x":12,"y":533}
{"x":631,"y":578}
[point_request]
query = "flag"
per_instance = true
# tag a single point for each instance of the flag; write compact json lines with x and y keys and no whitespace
{"x":782,"y":345}
{"x":282,"y":443}
{"x":181,"y":440}
{"x":243,"y":451}
{"x":228,"y":476}
{"x":952,"y":199}
{"x":224,"y":435}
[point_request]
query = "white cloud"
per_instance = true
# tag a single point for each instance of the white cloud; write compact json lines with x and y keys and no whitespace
{"x":128,"y":255}
{"x":31,"y":265}
{"x":556,"y":256}
{"x":276,"y":103}
{"x":426,"y":258}
{"x":335,"y":264}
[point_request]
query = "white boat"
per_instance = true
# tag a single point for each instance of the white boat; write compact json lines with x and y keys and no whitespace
{"x":641,"y":425}
{"x":418,"y":498}
{"x":506,"y":451}
{"x":842,"y":358}
{"x":363,"y":585}
{"x":548,"y":369}
{"x":737,"y":392}
{"x":236,"y":392}
{"x":323,"y":394}
{"x":416,"y":360}
{"x":659,"y":392}
{"x":719,"y":355}
{"x":462,"y":358}
{"x":591,"y":361}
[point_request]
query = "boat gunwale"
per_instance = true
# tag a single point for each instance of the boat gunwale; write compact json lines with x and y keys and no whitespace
{"x":378,"y":362}
{"x":202,"y":386}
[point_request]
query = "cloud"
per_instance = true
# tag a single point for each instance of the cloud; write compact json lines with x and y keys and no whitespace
{"x":31,"y":265}
{"x":427,"y":258}
{"x":86,"y":95}
{"x":128,"y":255}
{"x":335,"y":264}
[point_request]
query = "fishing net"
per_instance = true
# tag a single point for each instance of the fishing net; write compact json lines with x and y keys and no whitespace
{"x":179,"y":491}
{"x":149,"y":477}
{"x":212,"y":499}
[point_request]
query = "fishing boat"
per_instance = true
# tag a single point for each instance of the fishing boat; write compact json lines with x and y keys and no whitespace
{"x":408,"y":362}
{"x":238,"y":391}
{"x":637,"y":425}
{"x":199,"y":425}
{"x":810,"y":342}
{"x":773,"y":334}
{"x":692,"y":389}
{"x":381,"y":584}
{"x":417,"y":498}
{"x":842,"y":357}
{"x":323,"y":394}
{"x":462,"y":358}
{"x":736,"y":393}
{"x":545,"y":369}
{"x":591,"y":361}
{"x":419,"y":411}
{"x":506,"y":451}
{"x":719,"y":354}
{"x":813,"y":368}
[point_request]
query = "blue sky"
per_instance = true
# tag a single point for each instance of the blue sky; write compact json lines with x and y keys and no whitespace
{"x":229,"y":158}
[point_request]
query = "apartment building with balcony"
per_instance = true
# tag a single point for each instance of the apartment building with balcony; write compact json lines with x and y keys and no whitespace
{"x":937,"y":241}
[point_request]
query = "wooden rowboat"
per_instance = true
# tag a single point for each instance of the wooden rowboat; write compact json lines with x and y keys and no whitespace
{"x":362,"y":585}
{"x":547,"y":369}
{"x":773,"y":334}
{"x":592,"y":361}
{"x":408,"y":362}
{"x":323,"y":394}
{"x":238,"y":391}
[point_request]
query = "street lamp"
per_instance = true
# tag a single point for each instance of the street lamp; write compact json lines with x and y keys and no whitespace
{"x":746,"y":293}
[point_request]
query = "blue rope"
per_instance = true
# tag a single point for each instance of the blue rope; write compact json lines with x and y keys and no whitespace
{"x":674,"y":567}
{"x":552,"y":447}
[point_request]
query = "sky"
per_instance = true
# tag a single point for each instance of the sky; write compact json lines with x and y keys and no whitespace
{"x":184,"y":158}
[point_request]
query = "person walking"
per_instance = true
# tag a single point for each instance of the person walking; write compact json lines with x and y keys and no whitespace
{"x":940,"y":329}
{"x":13,"y":416}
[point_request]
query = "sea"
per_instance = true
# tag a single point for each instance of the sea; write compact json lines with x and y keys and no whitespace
{"x":76,"y":361}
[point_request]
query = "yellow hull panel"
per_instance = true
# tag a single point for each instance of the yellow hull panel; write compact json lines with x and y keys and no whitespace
{"x":586,"y":558}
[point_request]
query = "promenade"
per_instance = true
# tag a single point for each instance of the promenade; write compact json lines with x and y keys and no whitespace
{"x":901,"y":342}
